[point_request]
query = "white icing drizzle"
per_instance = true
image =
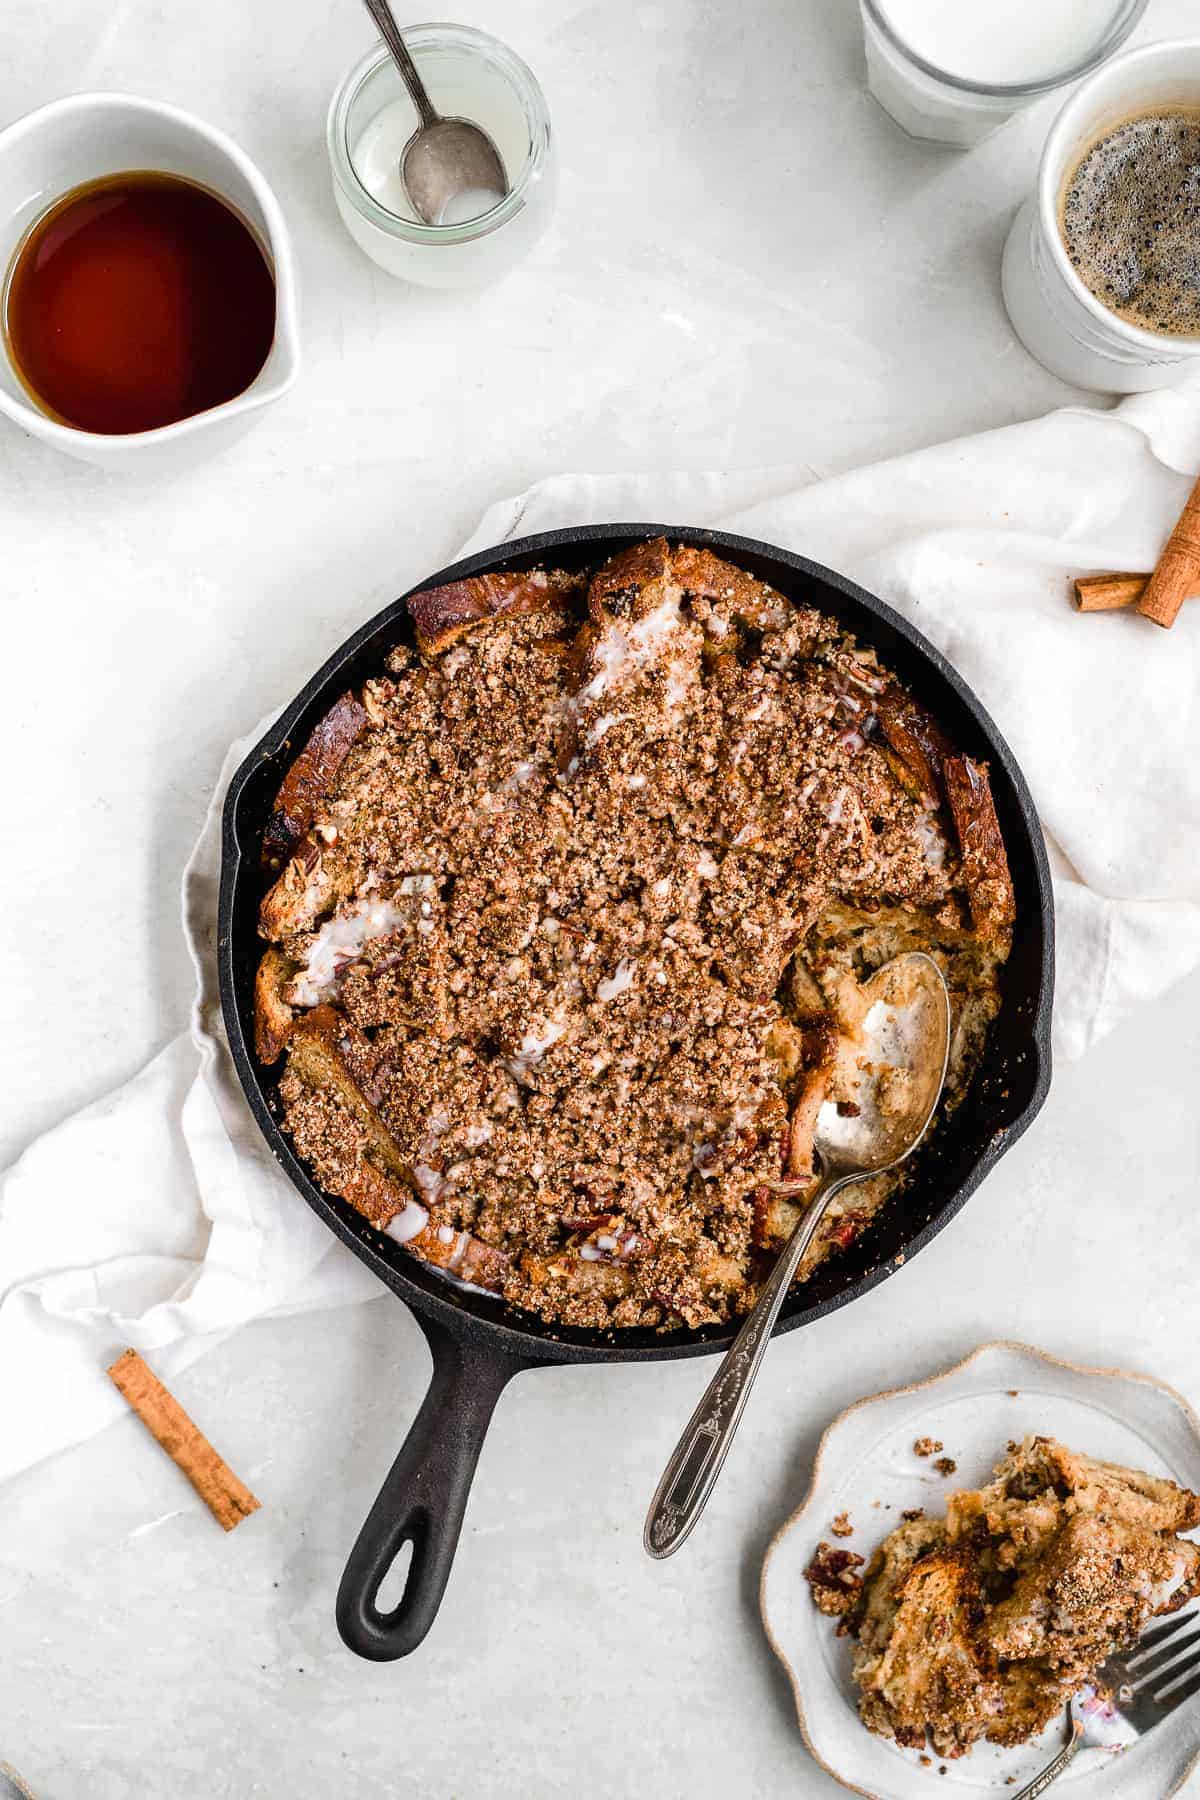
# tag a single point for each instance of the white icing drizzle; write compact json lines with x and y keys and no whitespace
{"x":621,"y":648}
{"x":431,"y":1182}
{"x":407,"y":1224}
{"x":618,"y":982}
{"x":341,"y":941}
{"x":932,"y":840}
{"x":601,"y":727}
{"x":534,"y":1046}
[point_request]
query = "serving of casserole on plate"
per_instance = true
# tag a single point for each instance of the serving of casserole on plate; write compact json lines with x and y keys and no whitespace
{"x":992,"y":1583}
{"x":570,"y":907}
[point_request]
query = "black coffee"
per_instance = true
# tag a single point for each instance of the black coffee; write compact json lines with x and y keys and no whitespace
{"x":1130,"y":220}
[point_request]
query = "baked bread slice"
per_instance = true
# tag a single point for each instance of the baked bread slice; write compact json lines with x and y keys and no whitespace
{"x":327,"y":1052}
{"x":1041,"y":1483}
{"x":704,"y":575}
{"x":647,"y":577}
{"x":444,"y":615}
{"x":924,"y":757}
{"x":933,"y":1672}
{"x":273,"y":1016}
{"x":305,"y":889}
{"x":1094,"y":1588}
{"x":337,"y":1119}
{"x":635,"y":583}
{"x":309,"y":779}
{"x":985,"y":869}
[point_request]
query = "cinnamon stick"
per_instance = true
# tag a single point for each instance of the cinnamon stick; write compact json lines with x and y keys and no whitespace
{"x":1105,"y":593}
{"x":227,"y":1498}
{"x":1178,"y":568}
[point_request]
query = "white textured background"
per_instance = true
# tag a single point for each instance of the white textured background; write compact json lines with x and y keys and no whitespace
{"x":750,"y":266}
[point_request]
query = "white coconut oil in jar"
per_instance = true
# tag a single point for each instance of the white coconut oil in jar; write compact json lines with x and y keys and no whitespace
{"x":468,"y":75}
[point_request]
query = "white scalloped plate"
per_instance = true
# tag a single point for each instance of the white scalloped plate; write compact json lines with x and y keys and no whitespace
{"x":1002,"y":1391}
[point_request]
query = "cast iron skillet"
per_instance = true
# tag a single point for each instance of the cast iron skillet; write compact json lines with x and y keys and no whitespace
{"x":479,"y":1343}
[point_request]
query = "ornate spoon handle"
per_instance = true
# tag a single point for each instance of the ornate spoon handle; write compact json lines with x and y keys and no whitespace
{"x":389,"y":32}
{"x":1053,"y":1770}
{"x":691,"y":1474}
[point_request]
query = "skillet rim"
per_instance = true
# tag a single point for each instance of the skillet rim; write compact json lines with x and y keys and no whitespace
{"x":469,"y":1314}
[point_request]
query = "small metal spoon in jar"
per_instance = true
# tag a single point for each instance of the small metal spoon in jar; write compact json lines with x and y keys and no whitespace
{"x":450,"y":169}
{"x":901,"y":1072}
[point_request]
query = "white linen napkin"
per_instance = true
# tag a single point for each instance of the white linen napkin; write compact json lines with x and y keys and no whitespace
{"x":186,"y":1229}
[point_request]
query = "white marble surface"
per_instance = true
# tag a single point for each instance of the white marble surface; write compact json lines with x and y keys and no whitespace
{"x":750,"y":266}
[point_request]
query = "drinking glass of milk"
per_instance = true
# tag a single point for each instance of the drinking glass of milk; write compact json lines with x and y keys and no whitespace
{"x":468,"y":75}
{"x":953,"y":70}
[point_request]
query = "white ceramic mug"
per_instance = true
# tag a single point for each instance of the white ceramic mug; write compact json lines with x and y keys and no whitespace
{"x":1055,"y":315}
{"x":85,"y":136}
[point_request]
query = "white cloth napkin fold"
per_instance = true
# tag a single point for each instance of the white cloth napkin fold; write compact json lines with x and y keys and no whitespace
{"x":185,"y":1228}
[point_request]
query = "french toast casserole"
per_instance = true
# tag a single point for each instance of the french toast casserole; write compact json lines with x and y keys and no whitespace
{"x":984,"y":1623}
{"x":570,"y":910}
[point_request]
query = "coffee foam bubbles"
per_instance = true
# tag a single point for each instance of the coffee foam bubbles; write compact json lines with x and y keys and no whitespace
{"x":1130,"y":220}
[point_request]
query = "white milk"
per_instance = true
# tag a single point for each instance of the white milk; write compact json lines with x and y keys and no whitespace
{"x":1001,"y":42}
{"x":995,"y":43}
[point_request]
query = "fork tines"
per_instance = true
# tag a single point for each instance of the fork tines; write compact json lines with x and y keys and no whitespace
{"x":1167,"y":1654}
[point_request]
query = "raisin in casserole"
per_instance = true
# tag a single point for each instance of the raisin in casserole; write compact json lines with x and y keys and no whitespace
{"x":571,"y":912}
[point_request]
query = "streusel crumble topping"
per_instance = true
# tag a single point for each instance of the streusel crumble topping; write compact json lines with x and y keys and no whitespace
{"x":574,"y":903}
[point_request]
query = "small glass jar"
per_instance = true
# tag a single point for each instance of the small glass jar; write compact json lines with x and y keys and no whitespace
{"x":929,"y":102}
{"x":469,"y":75}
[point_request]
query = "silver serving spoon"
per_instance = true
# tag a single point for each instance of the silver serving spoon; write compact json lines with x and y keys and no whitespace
{"x":905,"y":1028}
{"x":450,"y":169}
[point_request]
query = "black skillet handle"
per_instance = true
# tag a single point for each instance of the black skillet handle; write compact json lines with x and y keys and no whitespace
{"x":423,"y":1499}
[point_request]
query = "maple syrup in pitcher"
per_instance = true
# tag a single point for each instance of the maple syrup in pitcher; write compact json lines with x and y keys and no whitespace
{"x":138,"y":300}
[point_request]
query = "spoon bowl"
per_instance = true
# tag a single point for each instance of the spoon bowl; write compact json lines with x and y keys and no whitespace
{"x":452,"y":172}
{"x":889,"y":1078}
{"x":900,"y":1072}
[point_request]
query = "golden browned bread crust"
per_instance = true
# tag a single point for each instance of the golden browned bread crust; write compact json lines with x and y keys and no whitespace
{"x":272,"y":1015}
{"x":750,"y":601}
{"x":917,"y":741}
{"x":299,"y":895}
{"x":310,"y":777}
{"x":928,"y":762}
{"x":327,"y":1051}
{"x":594,"y":893}
{"x":984,"y":863}
{"x":443,"y":615}
{"x":634,"y":583}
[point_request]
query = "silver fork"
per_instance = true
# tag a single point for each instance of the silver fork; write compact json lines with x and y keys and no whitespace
{"x":1139,"y":1689}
